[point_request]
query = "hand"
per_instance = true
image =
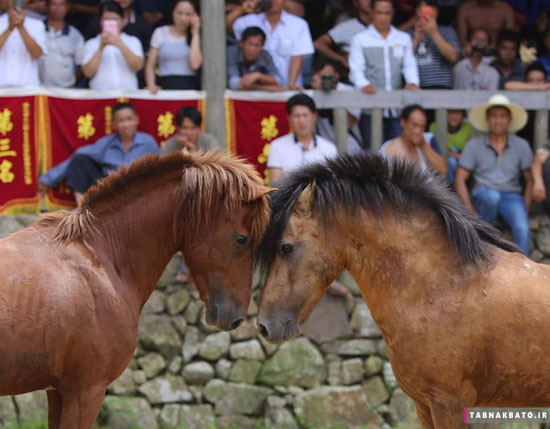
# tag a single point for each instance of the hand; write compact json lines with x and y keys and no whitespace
{"x":539,"y":192}
{"x":316,"y":81}
{"x":455,"y":155}
{"x":42,"y":188}
{"x":153,"y":89}
{"x":369,"y":89}
{"x":195,"y":24}
{"x":249,"y":6}
{"x":467,"y":49}
{"x":411,"y":87}
{"x":294,"y":87}
{"x":16,"y":18}
{"x":152,"y":17}
{"x":111,"y":39}
{"x":276,"y":88}
{"x":248,"y":80}
{"x":429,"y":25}
{"x":185,"y":143}
{"x":419,"y":30}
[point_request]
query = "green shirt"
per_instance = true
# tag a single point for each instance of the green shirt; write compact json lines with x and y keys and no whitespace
{"x":458,"y":139}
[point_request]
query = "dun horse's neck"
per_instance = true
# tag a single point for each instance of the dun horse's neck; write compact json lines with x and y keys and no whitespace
{"x":137,"y":240}
{"x":398,"y":263}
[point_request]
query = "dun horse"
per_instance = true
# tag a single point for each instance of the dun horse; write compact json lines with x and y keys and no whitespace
{"x":72,"y":286}
{"x":464,"y":316}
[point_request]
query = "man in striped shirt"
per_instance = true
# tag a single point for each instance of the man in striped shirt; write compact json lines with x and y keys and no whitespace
{"x":436,"y":48}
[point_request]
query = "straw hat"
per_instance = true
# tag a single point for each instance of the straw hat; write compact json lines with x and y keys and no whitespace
{"x":478,"y":114}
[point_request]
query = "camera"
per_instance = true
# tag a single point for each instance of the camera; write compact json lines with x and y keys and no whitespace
{"x":480,"y":49}
{"x":263,"y":5}
{"x":328,"y":82}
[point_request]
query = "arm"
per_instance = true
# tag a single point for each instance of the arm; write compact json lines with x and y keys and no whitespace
{"x":248,"y":6}
{"x":357,"y":65}
{"x":195,"y":53}
{"x":34,"y":49}
{"x":539,"y":189}
{"x":81,"y":8}
{"x":462,"y":25}
{"x":38,"y":6}
{"x":4,"y":36}
{"x":90,"y":68}
{"x":528,"y":188}
{"x":294,"y":69}
{"x":462,"y":176}
{"x":150,"y":66}
{"x":275,"y":175}
{"x":447,"y":50}
{"x":410,"y":68}
{"x":435,"y":160}
{"x":257,"y":81}
{"x":323,"y":46}
{"x":134,"y":61}
{"x":526,"y":86}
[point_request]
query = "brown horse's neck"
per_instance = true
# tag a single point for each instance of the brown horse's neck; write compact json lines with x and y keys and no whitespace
{"x":135,"y":241}
{"x":398,"y":262}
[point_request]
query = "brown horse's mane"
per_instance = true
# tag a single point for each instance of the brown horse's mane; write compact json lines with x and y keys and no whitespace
{"x":369,"y":182}
{"x":210,"y":182}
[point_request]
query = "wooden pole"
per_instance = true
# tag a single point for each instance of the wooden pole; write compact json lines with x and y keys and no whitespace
{"x":214,"y":77}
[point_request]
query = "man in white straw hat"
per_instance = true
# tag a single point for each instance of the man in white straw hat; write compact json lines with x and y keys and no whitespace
{"x":497,"y":160}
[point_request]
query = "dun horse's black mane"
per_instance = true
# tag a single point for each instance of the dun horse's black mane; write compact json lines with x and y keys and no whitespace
{"x":366,"y":181}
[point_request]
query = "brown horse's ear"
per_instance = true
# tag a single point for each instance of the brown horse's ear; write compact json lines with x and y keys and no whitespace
{"x":305,"y":201}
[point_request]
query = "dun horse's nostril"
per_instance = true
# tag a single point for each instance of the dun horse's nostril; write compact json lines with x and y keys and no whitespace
{"x":236,"y":323}
{"x":263,"y":331}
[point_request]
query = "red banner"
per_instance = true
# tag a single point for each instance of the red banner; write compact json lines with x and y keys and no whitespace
{"x":18,"y":154}
{"x":252,"y":125}
{"x":74,"y":122}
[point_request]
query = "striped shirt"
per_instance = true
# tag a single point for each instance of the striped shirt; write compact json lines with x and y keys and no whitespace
{"x":433,"y":68}
{"x":342,"y":33}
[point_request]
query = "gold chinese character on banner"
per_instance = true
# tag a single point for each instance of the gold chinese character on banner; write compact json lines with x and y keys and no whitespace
{"x":5,"y":148}
{"x":85,"y":126}
{"x":6,"y":176}
{"x":262,"y":158}
{"x":269,"y":128}
{"x":166,"y":124}
{"x":6,"y":125}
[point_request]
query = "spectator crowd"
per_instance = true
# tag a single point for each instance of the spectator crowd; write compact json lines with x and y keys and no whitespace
{"x":331,"y":45}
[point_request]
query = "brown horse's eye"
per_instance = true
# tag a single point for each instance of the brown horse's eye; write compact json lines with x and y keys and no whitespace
{"x":241,"y":239}
{"x":286,"y":248}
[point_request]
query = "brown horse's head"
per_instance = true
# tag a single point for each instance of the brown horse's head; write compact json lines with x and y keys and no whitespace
{"x":301,"y":265}
{"x":225,"y":213}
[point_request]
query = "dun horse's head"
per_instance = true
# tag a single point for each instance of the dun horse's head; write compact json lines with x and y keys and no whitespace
{"x":301,"y":263}
{"x":226,"y":215}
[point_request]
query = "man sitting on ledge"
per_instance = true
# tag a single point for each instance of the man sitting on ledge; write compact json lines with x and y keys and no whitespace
{"x":92,"y":162}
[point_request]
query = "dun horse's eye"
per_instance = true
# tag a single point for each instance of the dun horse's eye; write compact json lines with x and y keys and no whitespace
{"x":241,"y":239}
{"x":286,"y":248}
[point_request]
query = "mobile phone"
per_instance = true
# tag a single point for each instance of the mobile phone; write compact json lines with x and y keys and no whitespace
{"x":19,"y":4}
{"x":426,"y":12}
{"x":110,"y":26}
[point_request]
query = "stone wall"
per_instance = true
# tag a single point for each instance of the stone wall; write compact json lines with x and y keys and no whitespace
{"x":187,"y":374}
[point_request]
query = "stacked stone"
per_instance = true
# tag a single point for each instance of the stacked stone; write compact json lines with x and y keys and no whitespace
{"x":185,"y":373}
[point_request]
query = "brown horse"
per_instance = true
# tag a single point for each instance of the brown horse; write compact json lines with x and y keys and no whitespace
{"x":73,"y":284}
{"x":464,"y":316}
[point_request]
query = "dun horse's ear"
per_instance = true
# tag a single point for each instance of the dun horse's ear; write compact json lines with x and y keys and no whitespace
{"x":305,"y":201}
{"x":264,"y":190}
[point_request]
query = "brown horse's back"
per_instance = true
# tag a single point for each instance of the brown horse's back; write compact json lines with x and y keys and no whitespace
{"x":46,"y":287}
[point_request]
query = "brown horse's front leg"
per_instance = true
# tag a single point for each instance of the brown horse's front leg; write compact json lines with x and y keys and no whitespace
{"x":54,"y":409}
{"x":448,"y":416}
{"x":424,"y":415}
{"x":80,"y":409}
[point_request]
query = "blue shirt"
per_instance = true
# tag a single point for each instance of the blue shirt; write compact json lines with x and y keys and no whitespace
{"x":108,"y":152}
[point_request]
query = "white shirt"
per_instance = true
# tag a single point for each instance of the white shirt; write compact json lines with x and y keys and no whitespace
{"x":289,"y":38}
{"x":18,"y":68}
{"x":381,"y":62}
{"x":113,"y":72}
{"x":288,"y":154}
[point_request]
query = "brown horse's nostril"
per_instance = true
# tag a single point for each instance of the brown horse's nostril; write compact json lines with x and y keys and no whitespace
{"x":236,"y":323}
{"x":263,"y":331}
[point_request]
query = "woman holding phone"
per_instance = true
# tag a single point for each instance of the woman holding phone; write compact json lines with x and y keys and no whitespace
{"x":112,"y":58}
{"x":176,"y":48}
